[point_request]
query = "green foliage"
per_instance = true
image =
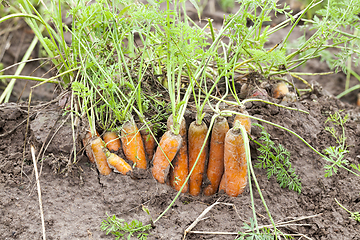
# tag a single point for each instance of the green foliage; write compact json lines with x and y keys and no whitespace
{"x":227,"y":5}
{"x":276,"y":161}
{"x":353,"y":215}
{"x":333,"y":22}
{"x":337,"y":120}
{"x":336,"y":155}
{"x":355,"y":167}
{"x":251,"y":233}
{"x":120,"y":228}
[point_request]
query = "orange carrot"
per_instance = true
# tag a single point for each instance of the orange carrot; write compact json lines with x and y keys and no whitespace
{"x":168,"y":147}
{"x":97,"y":146}
{"x":245,"y":121}
{"x":86,"y":142}
{"x":196,"y":135}
{"x":215,"y":168}
{"x":222,"y":185}
{"x":170,"y":122}
{"x":112,"y":141}
{"x":235,"y":175}
{"x":280,"y":90}
{"x":117,"y":163}
{"x":179,"y":173}
{"x":149,"y":143}
{"x":132,"y":144}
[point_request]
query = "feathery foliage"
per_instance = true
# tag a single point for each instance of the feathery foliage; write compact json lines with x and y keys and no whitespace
{"x":276,"y":161}
{"x":120,"y":228}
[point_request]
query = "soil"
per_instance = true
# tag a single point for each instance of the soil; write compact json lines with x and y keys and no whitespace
{"x":75,"y":198}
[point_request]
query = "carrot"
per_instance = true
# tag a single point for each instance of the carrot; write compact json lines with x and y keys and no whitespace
{"x":86,"y":142}
{"x":245,"y":121}
{"x":222,"y":185}
{"x":97,"y":146}
{"x":117,"y":163}
{"x":196,"y":135}
{"x":280,"y":90}
{"x":235,"y":176}
{"x":132,"y":144}
{"x":168,"y":147}
{"x":149,"y":143}
{"x":179,"y":173}
{"x":112,"y":141}
{"x":215,"y":168}
{"x":170,"y":122}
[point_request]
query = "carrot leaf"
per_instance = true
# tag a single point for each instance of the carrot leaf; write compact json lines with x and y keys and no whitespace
{"x":353,"y":215}
{"x":251,"y":233}
{"x":119,"y":228}
{"x":276,"y":161}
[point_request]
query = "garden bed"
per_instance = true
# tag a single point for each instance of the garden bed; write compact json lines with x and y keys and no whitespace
{"x":76,"y":199}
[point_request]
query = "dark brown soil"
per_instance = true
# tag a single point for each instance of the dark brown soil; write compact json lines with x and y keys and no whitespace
{"x":75,"y":198}
{"x":75,"y":202}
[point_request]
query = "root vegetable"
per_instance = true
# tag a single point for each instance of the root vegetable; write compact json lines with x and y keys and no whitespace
{"x":280,"y":90}
{"x":235,"y":176}
{"x":112,"y":141}
{"x":149,"y":143}
{"x":215,"y":168}
{"x":97,"y":146}
{"x":196,"y":139}
{"x":86,"y":142}
{"x":245,"y":121}
{"x":117,"y":163}
{"x":133,"y":145}
{"x":180,"y":171}
{"x":87,"y":145}
{"x":168,"y":147}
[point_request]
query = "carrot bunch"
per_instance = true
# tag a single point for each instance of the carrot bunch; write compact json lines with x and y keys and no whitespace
{"x":217,"y":164}
{"x":103,"y":152}
{"x":221,"y":167}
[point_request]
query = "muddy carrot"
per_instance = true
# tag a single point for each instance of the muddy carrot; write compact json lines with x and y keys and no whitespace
{"x":86,"y":142}
{"x":97,"y":146}
{"x":149,"y":143}
{"x":132,"y":144}
{"x":112,"y":141}
{"x":245,"y":121}
{"x":168,"y":147}
{"x":117,"y":163}
{"x":196,"y":139}
{"x":280,"y":90}
{"x":235,"y":175}
{"x":215,"y":168}
{"x":179,"y":173}
{"x":222,"y":183}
